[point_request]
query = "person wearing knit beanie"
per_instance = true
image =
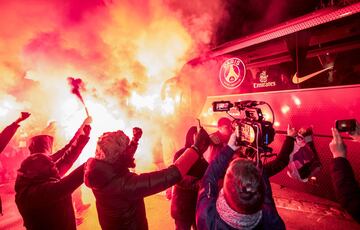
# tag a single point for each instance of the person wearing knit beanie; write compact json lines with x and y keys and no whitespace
{"x":120,"y":193}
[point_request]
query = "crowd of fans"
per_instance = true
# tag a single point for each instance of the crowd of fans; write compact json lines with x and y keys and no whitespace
{"x":214,"y":189}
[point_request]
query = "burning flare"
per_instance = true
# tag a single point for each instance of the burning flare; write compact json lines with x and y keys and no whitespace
{"x":77,"y":84}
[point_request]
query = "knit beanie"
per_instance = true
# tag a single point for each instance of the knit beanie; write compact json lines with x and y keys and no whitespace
{"x":111,"y":146}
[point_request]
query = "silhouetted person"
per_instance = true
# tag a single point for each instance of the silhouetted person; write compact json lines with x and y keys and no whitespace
{"x":43,"y":197}
{"x":346,"y":187}
{"x":184,"y":193}
{"x":120,"y":193}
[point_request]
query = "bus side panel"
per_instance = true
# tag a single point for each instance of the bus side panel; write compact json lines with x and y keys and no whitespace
{"x":318,"y":108}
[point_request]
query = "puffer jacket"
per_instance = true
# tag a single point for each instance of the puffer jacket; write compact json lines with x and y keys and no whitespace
{"x":120,"y":193}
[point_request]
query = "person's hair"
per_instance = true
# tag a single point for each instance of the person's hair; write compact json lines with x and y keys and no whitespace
{"x":243,"y":186}
{"x":224,"y":121}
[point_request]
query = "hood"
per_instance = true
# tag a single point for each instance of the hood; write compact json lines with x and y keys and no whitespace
{"x":99,"y":173}
{"x":41,"y":144}
{"x":36,"y":168}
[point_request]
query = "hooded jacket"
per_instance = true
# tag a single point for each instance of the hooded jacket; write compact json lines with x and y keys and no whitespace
{"x":120,"y":193}
{"x":42,"y":196}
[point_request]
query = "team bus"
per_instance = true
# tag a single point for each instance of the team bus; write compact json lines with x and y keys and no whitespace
{"x":306,"y":69}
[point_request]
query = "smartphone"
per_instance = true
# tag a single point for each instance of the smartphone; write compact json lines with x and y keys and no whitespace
{"x":345,"y":125}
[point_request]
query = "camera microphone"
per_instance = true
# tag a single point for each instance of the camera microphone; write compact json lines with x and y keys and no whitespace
{"x":248,"y":103}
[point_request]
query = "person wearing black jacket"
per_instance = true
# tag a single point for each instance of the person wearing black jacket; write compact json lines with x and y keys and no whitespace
{"x":120,"y":193}
{"x":346,"y":188}
{"x":9,"y":131}
{"x":43,"y":195}
{"x":184,"y":193}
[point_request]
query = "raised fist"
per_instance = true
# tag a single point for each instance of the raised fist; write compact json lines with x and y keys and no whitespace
{"x":23,"y":116}
{"x":202,"y":141}
{"x":137,"y":133}
{"x":189,"y":141}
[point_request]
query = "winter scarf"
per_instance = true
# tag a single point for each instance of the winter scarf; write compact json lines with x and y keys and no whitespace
{"x":235,"y":219}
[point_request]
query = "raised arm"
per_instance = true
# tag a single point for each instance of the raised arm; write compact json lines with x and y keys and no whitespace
{"x":282,"y":159}
{"x":150,"y":183}
{"x":58,"y":189}
{"x":71,"y":154}
{"x":346,"y":188}
{"x":9,"y":131}
{"x":57,"y":155}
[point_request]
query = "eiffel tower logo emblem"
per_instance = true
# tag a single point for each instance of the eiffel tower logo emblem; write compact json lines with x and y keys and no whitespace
{"x":232,"y":76}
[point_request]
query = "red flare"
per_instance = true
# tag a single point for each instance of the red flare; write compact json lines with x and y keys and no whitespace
{"x":76,"y":85}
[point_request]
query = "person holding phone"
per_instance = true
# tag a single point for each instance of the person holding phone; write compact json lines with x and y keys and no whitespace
{"x":346,"y":188}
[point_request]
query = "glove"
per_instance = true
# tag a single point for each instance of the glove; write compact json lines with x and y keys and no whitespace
{"x":86,"y":130}
{"x":137,"y":133}
{"x":190,"y":136}
{"x":232,"y":142}
{"x":202,"y":142}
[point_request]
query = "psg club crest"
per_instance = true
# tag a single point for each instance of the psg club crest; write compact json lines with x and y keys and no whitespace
{"x":232,"y":73}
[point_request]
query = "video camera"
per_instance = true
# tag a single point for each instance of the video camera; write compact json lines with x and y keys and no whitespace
{"x":252,"y":129}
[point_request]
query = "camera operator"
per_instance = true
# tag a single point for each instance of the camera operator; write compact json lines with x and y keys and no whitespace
{"x":120,"y":193}
{"x":346,"y":188}
{"x":9,"y":131}
{"x":244,"y":202}
{"x":43,"y":195}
